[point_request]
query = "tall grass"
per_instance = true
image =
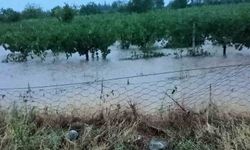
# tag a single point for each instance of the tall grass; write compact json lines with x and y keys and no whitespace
{"x":29,"y":129}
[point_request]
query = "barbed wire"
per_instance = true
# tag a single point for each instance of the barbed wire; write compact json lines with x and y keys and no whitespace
{"x":152,"y":93}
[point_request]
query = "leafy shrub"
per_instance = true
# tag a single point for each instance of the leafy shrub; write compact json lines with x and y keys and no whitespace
{"x":9,"y":15}
{"x":90,"y":8}
{"x":32,"y":11}
{"x":67,"y":13}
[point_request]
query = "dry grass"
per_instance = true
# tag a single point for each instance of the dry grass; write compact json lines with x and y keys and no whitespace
{"x":124,"y":129}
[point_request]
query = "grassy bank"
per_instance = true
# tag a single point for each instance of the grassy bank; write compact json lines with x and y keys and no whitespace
{"x":124,"y":129}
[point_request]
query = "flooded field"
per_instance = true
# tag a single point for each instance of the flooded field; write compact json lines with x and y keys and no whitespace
{"x":76,"y":69}
{"x":188,"y":87}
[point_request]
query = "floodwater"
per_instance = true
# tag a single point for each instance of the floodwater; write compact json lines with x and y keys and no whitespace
{"x":222,"y":84}
{"x":76,"y":69}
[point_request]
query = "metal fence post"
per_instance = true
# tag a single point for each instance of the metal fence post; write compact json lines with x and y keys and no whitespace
{"x":210,"y":94}
{"x":102,"y":95}
{"x":102,"y":87}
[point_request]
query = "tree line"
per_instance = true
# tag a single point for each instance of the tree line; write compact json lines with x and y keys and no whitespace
{"x":66,"y":12}
{"x":34,"y":12}
{"x":88,"y":35}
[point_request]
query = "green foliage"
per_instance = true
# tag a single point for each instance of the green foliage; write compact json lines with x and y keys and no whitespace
{"x":9,"y":15}
{"x":90,"y":8}
{"x":224,"y":25}
{"x":67,"y":14}
{"x":148,"y":5}
{"x":56,"y":12}
{"x":159,"y":4}
{"x":216,"y":2}
{"x":32,"y":11}
{"x":140,"y":6}
{"x":178,"y":4}
{"x":119,"y":6}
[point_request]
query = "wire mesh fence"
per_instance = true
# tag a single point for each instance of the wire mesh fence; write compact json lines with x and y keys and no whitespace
{"x":192,"y":88}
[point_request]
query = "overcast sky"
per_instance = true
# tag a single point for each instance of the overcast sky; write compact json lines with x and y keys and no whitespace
{"x":47,"y":4}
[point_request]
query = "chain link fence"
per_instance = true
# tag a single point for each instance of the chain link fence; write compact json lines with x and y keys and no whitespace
{"x":151,"y":93}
